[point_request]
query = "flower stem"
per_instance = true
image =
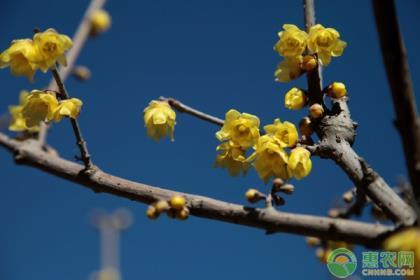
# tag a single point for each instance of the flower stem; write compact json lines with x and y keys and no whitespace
{"x":81,"y":143}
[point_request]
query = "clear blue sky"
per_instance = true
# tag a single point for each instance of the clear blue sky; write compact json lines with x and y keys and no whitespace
{"x":213,"y":55}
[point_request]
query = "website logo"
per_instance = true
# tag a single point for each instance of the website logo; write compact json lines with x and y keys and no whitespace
{"x":341,"y":263}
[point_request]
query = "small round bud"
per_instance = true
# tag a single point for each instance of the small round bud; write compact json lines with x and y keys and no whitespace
{"x":277,"y":183}
{"x":287,"y":189}
{"x":337,"y":90}
{"x":100,"y":21}
{"x":313,"y":241}
{"x":253,"y":195}
{"x":348,"y":197}
{"x":305,"y":127}
{"x":162,"y":206}
{"x":333,"y":213}
{"x":151,"y":212}
{"x":316,"y":111}
{"x":183,"y":214}
{"x":82,"y":73}
{"x":322,"y":254}
{"x":309,"y":63}
{"x":177,"y":202}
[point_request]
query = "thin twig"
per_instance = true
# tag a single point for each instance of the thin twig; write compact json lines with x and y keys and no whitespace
{"x":81,"y":143}
{"x":396,"y":64}
{"x":182,"y":108}
{"x":79,"y":40}
{"x":270,"y":220}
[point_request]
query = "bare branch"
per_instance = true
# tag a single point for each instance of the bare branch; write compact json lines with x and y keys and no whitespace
{"x":182,"y":108}
{"x":79,"y":40}
{"x":81,"y":143}
{"x":270,"y":220}
{"x":396,"y":64}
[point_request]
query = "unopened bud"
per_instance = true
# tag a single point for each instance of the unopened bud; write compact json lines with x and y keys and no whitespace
{"x":305,"y":127}
{"x":337,"y":90}
{"x":151,"y":212}
{"x":348,"y":197}
{"x":162,"y":206}
{"x":313,"y":241}
{"x":309,"y":63}
{"x":333,"y":213}
{"x":316,"y":111}
{"x":82,"y":73}
{"x":177,"y":202}
{"x":253,"y":195}
{"x":287,"y":189}
{"x":183,"y":214}
{"x":277,"y":184}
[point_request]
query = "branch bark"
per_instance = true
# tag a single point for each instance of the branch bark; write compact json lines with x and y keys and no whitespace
{"x":396,"y":64}
{"x":29,"y":153}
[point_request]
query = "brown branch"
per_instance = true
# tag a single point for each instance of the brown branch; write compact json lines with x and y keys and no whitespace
{"x":79,"y":40}
{"x":336,"y":132}
{"x":80,"y":141}
{"x":270,"y":220}
{"x":396,"y":64}
{"x":182,"y":108}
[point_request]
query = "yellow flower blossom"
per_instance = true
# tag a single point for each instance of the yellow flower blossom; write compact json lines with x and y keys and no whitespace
{"x":325,"y":42}
{"x":337,"y":90}
{"x":295,"y":99}
{"x":406,"y":240}
{"x":39,"y":107}
{"x":51,"y":47}
{"x":17,"y":122}
{"x":68,"y":108}
{"x":285,"y":133}
{"x":289,"y":69}
{"x":270,"y":160}
{"x":292,"y":41}
{"x":22,"y":57}
{"x":300,"y":163}
{"x":159,"y":119}
{"x":100,"y":21}
{"x":232,"y":157}
{"x":242,"y":129}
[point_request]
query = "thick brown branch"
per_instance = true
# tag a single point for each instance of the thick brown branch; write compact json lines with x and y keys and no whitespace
{"x":79,"y":40}
{"x":182,"y":108}
{"x":396,"y":64}
{"x":270,"y":220}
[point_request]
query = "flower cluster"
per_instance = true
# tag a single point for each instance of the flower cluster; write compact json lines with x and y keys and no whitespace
{"x":41,"y":106}
{"x":159,"y":119}
{"x":174,"y":208}
{"x":322,"y":44}
{"x":26,"y":56}
{"x":270,"y":158}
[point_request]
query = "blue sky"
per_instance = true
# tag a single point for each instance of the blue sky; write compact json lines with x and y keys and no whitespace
{"x":213,"y":55}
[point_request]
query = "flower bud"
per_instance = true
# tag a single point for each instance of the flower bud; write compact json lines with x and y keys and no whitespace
{"x":162,"y":206}
{"x":151,"y":212}
{"x":295,"y":99}
{"x":177,"y":202}
{"x":100,"y":21}
{"x":337,"y":90}
{"x":82,"y":73}
{"x":287,"y":189}
{"x":316,"y":111}
{"x":183,"y":214}
{"x":277,"y":184}
{"x":333,"y":213}
{"x":313,"y":241}
{"x":309,"y":63}
{"x":305,"y":127}
{"x":253,"y":195}
{"x":348,"y":197}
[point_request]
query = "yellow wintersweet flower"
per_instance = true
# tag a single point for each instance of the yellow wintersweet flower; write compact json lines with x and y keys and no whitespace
{"x":295,"y":99}
{"x":300,"y":163}
{"x":68,"y":108}
{"x":292,"y":41}
{"x":17,"y":122}
{"x":159,"y":119}
{"x":40,"y":106}
{"x":325,"y":42}
{"x":232,"y":157}
{"x":285,"y":133}
{"x":406,"y":240}
{"x":52,"y":47}
{"x":289,"y":69}
{"x":270,"y":160}
{"x":100,"y":21}
{"x":242,"y":129}
{"x":22,"y":57}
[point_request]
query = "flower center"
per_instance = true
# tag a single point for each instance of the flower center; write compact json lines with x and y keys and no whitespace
{"x":242,"y":128}
{"x":49,"y":47}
